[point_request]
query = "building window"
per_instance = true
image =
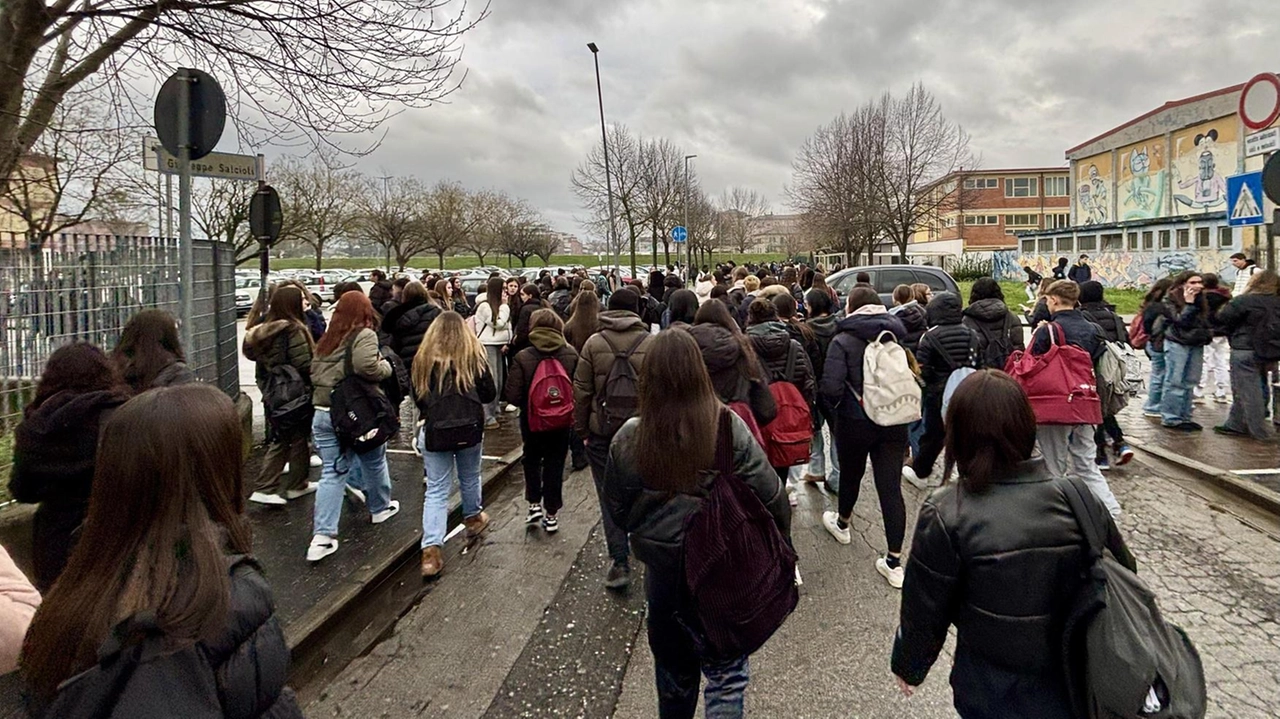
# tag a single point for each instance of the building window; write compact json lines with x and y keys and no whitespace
{"x":1088,"y":243}
{"x":1055,"y":187}
{"x":973,"y":220}
{"x":950,"y":221}
{"x":1148,"y":240}
{"x":1225,"y":236}
{"x":981,"y":183}
{"x":1133,"y":241}
{"x":1204,"y":237}
{"x":1022,"y":220}
{"x":1065,"y":244}
{"x":1046,"y":244}
{"x":1029,"y":247}
{"x":1165,"y":244}
{"x":1020,"y":187}
{"x":1184,"y":239}
{"x":1057,"y":221}
{"x":1112,"y":242}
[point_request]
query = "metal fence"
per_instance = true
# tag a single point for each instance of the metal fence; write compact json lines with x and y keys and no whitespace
{"x":86,"y":288}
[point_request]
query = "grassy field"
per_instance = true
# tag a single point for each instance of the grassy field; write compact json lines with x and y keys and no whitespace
{"x":464,"y":262}
{"x":1126,"y":301}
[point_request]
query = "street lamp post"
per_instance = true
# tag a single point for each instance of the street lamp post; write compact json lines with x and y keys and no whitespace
{"x":689,"y":236}
{"x":604,"y":143}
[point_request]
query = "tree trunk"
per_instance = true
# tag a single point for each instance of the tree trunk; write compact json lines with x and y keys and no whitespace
{"x":441,"y":256}
{"x":319,"y":256}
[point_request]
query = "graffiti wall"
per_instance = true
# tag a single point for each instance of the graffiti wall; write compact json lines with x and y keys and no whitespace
{"x":1093,"y":190}
{"x":1203,"y":156}
{"x":1142,"y":180}
{"x":1123,"y":269}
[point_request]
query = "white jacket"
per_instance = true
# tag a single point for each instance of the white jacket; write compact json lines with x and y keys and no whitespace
{"x":489,"y":330}
{"x":1242,"y":279}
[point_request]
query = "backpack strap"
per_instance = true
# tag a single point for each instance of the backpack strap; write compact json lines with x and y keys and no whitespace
{"x":724,"y":444}
{"x":945,"y":355}
{"x":792,"y":351}
{"x":1074,"y":490}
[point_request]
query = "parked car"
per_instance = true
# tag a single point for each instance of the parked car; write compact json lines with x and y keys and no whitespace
{"x":886,"y":277}
{"x":246,"y":292}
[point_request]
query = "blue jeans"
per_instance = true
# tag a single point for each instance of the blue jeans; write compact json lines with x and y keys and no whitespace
{"x":1155,"y":385}
{"x":1182,"y":368}
{"x":818,"y":454}
{"x":435,"y":507}
{"x":338,"y":466}
{"x":915,"y":433}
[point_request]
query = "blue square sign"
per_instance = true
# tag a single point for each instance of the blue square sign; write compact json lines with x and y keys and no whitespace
{"x":1244,"y":199}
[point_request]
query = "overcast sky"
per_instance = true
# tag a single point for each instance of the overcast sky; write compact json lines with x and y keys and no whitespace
{"x":741,"y":83}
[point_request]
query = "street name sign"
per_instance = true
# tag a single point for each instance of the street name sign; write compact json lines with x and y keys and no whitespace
{"x":221,"y":165}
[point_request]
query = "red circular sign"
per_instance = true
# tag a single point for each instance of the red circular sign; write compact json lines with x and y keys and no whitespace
{"x":1260,"y":101}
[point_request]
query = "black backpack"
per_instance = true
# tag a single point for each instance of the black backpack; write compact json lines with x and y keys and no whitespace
{"x":286,"y":394}
{"x":620,"y":400}
{"x":1266,"y":339}
{"x":995,"y":350}
{"x":398,"y":385}
{"x":739,"y":568}
{"x":1118,"y":651}
{"x":363,"y":416}
{"x":452,"y":420}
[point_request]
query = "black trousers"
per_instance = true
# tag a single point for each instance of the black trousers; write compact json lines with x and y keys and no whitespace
{"x":934,"y":439}
{"x":577,"y":447}
{"x":544,"y":455}
{"x":615,"y":537}
{"x":857,"y":439}
{"x":1109,"y":428}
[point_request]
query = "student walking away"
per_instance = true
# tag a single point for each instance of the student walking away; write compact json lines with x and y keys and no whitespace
{"x":540,"y":384}
{"x":682,"y":308}
{"x":1060,"y":272}
{"x":55,"y":450}
{"x":381,"y":291}
{"x":736,"y":374}
{"x":1066,"y":416}
{"x":751,"y":285}
{"x":1184,"y":344}
{"x":693,"y":488}
{"x":347,"y":367}
{"x":948,"y":353}
{"x":822,"y":451}
{"x":1217,"y":354}
{"x":134,"y":628}
{"x":18,"y":603}
{"x":1006,"y":505}
{"x":913,"y":316}
{"x":1033,"y":282}
{"x":584,"y":321}
{"x":791,"y":381}
{"x":1081,"y":272}
{"x":560,"y":297}
{"x":1245,"y":270}
{"x":282,"y":348}
{"x":785,"y":305}
{"x":453,"y":382}
{"x":530,"y":301}
{"x":1252,"y":323}
{"x":493,"y":327}
{"x":605,"y":395}
{"x":1094,"y":307}
{"x":409,"y":321}
{"x":1155,"y":316}
{"x":999,"y":330}
{"x":871,"y":416}
{"x":149,"y":354}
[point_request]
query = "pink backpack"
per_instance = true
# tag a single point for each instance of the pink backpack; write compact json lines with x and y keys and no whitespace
{"x":550,"y":397}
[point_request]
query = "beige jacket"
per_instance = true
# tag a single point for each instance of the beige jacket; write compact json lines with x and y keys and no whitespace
{"x":366,"y":361}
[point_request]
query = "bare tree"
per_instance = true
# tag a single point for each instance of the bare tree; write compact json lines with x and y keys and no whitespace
{"x":662,"y":189}
{"x":445,"y":220}
{"x":486,"y":211}
{"x":545,"y":244}
{"x":319,"y":200}
{"x":704,"y":226}
{"x":522,"y":233}
{"x":220,"y":210}
{"x":389,"y":213}
{"x":628,"y":197}
{"x":291,"y":68}
{"x":921,"y":146}
{"x":738,"y":206}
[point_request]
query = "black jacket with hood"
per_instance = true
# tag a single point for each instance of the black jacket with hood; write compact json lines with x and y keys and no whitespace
{"x":722,"y":353}
{"x":1189,"y":325}
{"x":1076,"y":330}
{"x":914,"y":320}
{"x":948,"y":345}
{"x":825,"y":329}
{"x":1245,"y":315}
{"x":842,"y":374}
{"x":773,"y":345}
{"x":406,"y":325}
{"x":999,"y":331}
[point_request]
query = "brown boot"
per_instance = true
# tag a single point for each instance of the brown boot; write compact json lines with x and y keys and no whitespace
{"x":432,"y":562}
{"x":476,"y":525}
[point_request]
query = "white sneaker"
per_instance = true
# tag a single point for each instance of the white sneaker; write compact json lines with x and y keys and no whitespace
{"x":894,"y":575}
{"x":792,"y":497}
{"x":511,"y":408}
{"x":286,"y":468}
{"x":296,"y":493}
{"x":909,"y":474}
{"x":321,"y":547}
{"x":355,"y":494}
{"x":392,"y":510}
{"x":316,"y":461}
{"x":274,"y":500}
{"x":831,"y":520}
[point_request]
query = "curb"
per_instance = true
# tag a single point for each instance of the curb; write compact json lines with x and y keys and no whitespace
{"x":1249,"y":491}
{"x":329,"y":610}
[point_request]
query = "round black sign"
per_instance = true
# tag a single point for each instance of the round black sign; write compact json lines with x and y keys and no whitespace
{"x":1271,"y":177}
{"x":265,"y":215}
{"x":206,"y":117}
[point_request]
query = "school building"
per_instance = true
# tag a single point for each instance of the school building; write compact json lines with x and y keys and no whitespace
{"x":982,"y":210}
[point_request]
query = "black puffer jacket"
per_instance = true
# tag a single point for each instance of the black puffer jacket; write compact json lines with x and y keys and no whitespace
{"x":773,"y":345}
{"x":1189,"y":325}
{"x":969,"y":550}
{"x":999,"y":331}
{"x":406,"y":325}
{"x":915,"y":320}
{"x":825,"y":329}
{"x":808,"y":342}
{"x":55,"y":448}
{"x":1104,"y":315}
{"x":842,"y":374}
{"x":948,"y":345}
{"x":380,"y":294}
{"x":1155,"y":322}
{"x":656,"y":519}
{"x":1244,"y":315}
{"x":722,"y":354}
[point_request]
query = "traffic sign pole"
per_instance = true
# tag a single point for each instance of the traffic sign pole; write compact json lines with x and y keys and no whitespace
{"x":186,"y":253}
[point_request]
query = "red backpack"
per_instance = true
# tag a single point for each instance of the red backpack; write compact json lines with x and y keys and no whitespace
{"x":550,"y":397}
{"x":788,"y":436}
{"x":1138,"y":338}
{"x":1060,"y":383}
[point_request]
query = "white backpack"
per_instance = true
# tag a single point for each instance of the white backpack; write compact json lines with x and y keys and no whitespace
{"x":890,"y":393}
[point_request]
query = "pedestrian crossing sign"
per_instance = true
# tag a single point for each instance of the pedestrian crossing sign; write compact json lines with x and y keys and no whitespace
{"x":1244,"y":199}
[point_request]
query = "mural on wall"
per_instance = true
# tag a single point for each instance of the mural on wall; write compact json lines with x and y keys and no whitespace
{"x":1142,"y":181}
{"x":1203,"y":156}
{"x":1093,"y":190}
{"x":1122,"y":269}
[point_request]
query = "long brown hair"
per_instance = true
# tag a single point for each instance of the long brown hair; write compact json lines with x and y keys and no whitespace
{"x":354,"y":312}
{"x":79,"y":367}
{"x":1266,"y":282}
{"x":990,"y":429}
{"x":148,"y":344}
{"x":679,"y":414}
{"x":448,"y":349}
{"x":163,"y":515}
{"x":717,"y":313}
